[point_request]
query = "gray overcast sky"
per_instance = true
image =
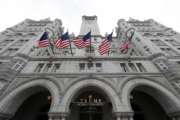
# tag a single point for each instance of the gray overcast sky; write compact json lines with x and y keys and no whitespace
{"x":166,"y":12}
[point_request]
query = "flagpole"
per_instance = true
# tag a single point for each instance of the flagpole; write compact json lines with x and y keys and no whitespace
{"x":108,"y":52}
{"x":70,"y":47}
{"x":111,"y":41}
{"x":51,"y":45}
{"x":90,"y":43}
{"x":130,"y":42}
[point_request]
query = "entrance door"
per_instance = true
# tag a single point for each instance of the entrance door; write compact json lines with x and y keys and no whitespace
{"x":90,"y":105}
{"x":34,"y":108}
{"x":90,"y":113}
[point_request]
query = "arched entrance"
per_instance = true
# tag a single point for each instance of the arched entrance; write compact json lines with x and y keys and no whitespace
{"x":149,"y":99}
{"x":35,"y":107}
{"x":90,"y":103}
{"x":35,"y":98}
{"x":145,"y":107}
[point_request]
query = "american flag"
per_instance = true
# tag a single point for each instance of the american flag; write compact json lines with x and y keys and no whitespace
{"x":105,"y":45}
{"x":124,"y":47}
{"x":64,"y":41}
{"x":44,"y":40}
{"x":83,"y":42}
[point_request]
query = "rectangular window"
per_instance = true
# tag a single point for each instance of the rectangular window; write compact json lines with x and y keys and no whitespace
{"x":10,"y":51}
{"x":178,"y":62}
{"x":141,"y":67}
{"x":124,"y":67}
{"x":168,"y":51}
{"x":158,"y":42}
{"x":90,"y":65}
{"x":56,"y":67}
{"x":39,"y":67}
{"x":133,"y":67}
{"x":81,"y":66}
{"x":6,"y":42}
{"x":48,"y":66}
{"x":173,"y":42}
{"x":98,"y":67}
{"x":20,"y":42}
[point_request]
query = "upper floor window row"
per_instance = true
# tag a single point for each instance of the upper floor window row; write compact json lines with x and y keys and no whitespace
{"x":20,"y":42}
{"x":10,"y":52}
{"x":173,"y":42}
{"x":96,"y":67}
{"x":6,"y":42}
{"x":47,"y":67}
{"x":168,"y":51}
{"x":132,"y":67}
{"x":158,"y":42}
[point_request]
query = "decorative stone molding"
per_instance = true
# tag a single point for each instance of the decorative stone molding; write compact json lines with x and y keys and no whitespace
{"x":58,"y":115}
{"x":123,"y":115}
{"x":76,"y":87}
{"x":165,"y":66}
{"x":168,"y":99}
{"x":4,"y":116}
{"x":175,"y":115}
{"x":12,"y":68}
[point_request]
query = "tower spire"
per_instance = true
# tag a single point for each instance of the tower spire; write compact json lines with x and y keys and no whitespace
{"x":89,"y":23}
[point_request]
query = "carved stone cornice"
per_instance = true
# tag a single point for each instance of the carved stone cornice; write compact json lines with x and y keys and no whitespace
{"x":89,"y":75}
{"x":95,"y":58}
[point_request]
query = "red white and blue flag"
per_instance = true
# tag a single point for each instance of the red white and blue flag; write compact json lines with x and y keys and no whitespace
{"x":124,"y":47}
{"x":83,"y":42}
{"x":105,"y":45}
{"x":44,"y":40}
{"x":64,"y":41}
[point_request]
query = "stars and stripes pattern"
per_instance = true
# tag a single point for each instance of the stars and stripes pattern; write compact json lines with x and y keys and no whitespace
{"x":83,"y":42}
{"x":44,"y":40}
{"x":105,"y":45}
{"x":64,"y":41}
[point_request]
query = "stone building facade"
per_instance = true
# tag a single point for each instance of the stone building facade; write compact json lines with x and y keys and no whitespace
{"x":55,"y":84}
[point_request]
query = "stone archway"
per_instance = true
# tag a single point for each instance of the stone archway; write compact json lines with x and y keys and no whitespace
{"x":11,"y":102}
{"x":90,"y":103}
{"x":106,"y":91}
{"x":35,"y":107}
{"x":163,"y":99}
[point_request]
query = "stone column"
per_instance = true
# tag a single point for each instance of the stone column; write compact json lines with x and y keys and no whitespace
{"x":175,"y":116}
{"x":123,"y":115}
{"x":57,"y":115}
{"x":4,"y":116}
